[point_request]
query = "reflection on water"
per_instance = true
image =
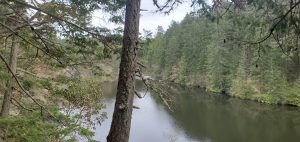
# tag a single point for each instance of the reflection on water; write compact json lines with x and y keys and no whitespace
{"x":151,"y":123}
{"x":201,"y":117}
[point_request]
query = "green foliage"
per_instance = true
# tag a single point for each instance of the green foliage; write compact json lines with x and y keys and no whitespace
{"x":29,"y":81}
{"x":60,"y":35}
{"x":28,"y":128}
{"x":221,"y":54}
{"x":80,"y":92}
{"x":85,"y":96}
{"x":291,"y":93}
{"x":33,"y":127}
{"x":84,"y":101}
{"x":182,"y":69}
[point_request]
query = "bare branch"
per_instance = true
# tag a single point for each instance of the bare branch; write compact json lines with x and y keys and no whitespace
{"x":138,"y":94}
{"x":135,"y":107}
{"x":140,"y":64}
{"x":158,"y":91}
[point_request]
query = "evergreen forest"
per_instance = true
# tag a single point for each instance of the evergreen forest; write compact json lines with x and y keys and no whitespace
{"x":95,"y":70}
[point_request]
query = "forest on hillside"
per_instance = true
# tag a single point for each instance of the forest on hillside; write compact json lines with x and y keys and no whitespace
{"x":235,"y":51}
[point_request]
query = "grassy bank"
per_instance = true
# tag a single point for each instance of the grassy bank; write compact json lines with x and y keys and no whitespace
{"x":281,"y":93}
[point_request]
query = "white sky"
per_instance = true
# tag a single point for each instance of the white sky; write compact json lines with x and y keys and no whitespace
{"x":149,"y":19}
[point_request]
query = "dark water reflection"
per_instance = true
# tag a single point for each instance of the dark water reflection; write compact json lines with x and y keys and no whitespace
{"x":202,"y":117}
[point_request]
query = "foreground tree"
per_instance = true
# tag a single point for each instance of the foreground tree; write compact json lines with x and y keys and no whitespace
{"x":15,"y":45}
{"x":13,"y":65}
{"x":35,"y":25}
{"x":120,"y":127}
{"x":220,"y":72}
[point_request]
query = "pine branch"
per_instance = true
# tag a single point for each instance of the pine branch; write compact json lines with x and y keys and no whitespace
{"x":27,"y":41}
{"x":101,"y":37}
{"x":276,"y":24}
{"x":20,"y":105}
{"x":24,"y":90}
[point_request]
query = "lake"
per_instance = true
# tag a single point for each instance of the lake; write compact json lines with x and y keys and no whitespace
{"x":203,"y":117}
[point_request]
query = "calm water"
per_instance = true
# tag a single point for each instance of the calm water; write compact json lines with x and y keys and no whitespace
{"x":200,"y":117}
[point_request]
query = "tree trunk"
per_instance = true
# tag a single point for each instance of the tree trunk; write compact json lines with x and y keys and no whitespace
{"x":120,"y":127}
{"x":13,"y":65}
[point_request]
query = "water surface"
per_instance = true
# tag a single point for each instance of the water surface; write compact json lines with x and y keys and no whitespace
{"x":202,"y":117}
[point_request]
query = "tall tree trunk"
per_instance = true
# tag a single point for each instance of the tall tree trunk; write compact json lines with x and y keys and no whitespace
{"x":120,"y":127}
{"x":13,"y":65}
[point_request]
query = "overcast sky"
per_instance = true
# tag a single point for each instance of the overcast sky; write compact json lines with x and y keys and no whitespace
{"x":149,"y":19}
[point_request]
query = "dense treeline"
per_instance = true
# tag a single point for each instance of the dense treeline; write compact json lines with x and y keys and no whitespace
{"x":239,"y":50}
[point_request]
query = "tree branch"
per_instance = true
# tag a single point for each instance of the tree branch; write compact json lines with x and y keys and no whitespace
{"x":103,"y":39}
{"x":276,"y":24}
{"x":158,"y":91}
{"x":20,"y":105}
{"x":24,"y":90}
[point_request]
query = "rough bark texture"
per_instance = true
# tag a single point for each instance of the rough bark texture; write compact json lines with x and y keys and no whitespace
{"x":120,"y":127}
{"x":13,"y":65}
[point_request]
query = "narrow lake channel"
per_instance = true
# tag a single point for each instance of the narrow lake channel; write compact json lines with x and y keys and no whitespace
{"x":201,"y":117}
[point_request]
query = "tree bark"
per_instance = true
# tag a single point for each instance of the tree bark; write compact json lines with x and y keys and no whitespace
{"x":13,"y":65}
{"x":120,"y":127}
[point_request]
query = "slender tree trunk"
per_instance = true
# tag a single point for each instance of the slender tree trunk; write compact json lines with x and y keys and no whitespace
{"x":120,"y":127}
{"x":13,"y":65}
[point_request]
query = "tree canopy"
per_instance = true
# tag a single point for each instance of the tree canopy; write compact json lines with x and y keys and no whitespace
{"x":247,"y":49}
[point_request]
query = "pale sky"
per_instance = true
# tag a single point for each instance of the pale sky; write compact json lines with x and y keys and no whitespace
{"x":149,"y":19}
